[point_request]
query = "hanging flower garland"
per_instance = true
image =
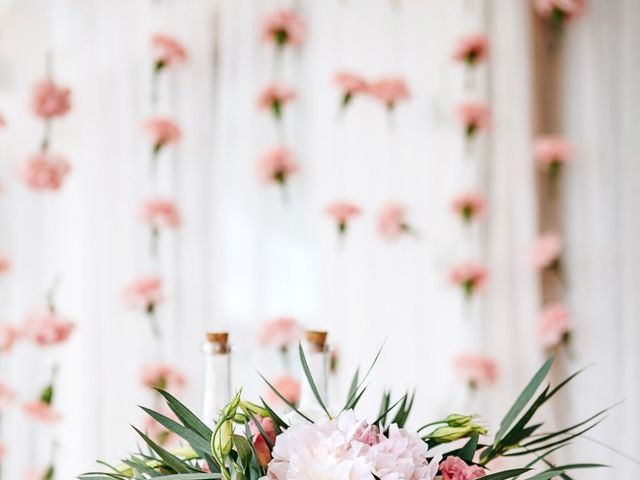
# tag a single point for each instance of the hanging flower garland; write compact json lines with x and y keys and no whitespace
{"x":46,"y":328}
{"x":551,"y":154}
{"x":45,"y":171}
{"x":281,"y":28}
{"x":158,"y":213}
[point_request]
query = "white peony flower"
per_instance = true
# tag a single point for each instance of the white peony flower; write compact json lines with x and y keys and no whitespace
{"x":346,"y":448}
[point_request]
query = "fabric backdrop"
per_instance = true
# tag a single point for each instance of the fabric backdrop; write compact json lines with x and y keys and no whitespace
{"x":243,"y":257}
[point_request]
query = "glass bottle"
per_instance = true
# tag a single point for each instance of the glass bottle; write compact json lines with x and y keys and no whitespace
{"x":316,"y":353}
{"x":217,"y":380}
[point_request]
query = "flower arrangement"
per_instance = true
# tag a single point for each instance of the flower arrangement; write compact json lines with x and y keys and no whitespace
{"x":250,"y":441}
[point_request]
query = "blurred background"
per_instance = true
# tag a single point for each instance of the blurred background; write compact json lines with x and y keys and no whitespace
{"x":249,"y":250}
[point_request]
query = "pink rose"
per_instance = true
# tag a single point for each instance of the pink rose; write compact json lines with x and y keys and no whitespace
{"x":274,"y":97}
{"x":453,"y":468}
{"x":41,"y":411}
{"x":471,"y":49}
{"x":44,"y":171}
{"x":474,"y":117}
{"x":283,"y":27}
{"x":276,"y":165}
{"x":160,"y":213}
{"x":560,"y":10}
{"x":8,"y":337}
{"x":168,"y":51}
{"x":389,"y":90}
{"x":468,"y":206}
{"x":392,"y":221}
{"x":470,"y":276}
{"x":289,"y":388}
{"x":342,"y":212}
{"x":476,"y":370}
{"x":554,"y":326}
{"x":162,"y":376}
{"x":546,"y":251}
{"x":6,"y":396}
{"x":350,"y":84}
{"x":163,"y":131}
{"x":144,"y":293}
{"x":50,"y":100}
{"x":260,"y":444}
{"x":46,"y":328}
{"x":551,"y":152}
{"x":280,"y":333}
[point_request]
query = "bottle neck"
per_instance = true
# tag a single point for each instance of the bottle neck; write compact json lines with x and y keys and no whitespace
{"x":217,"y":382}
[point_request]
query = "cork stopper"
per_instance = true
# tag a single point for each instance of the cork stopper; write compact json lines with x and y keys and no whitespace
{"x":219,"y":340}
{"x":316,"y":339}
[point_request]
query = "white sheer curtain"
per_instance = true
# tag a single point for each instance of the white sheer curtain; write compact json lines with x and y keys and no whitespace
{"x":243,"y":257}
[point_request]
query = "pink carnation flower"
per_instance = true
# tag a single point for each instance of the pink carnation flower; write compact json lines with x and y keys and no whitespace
{"x":160,"y":212}
{"x":8,"y":337}
{"x":342,"y":212}
{"x":162,"y":376}
{"x":168,"y":51}
{"x":560,"y":10}
{"x":276,"y":165}
{"x":41,"y":411}
{"x":468,"y":206}
{"x":6,"y":396}
{"x":163,"y":131}
{"x":289,"y":388}
{"x":144,"y":293}
{"x":470,"y":276}
{"x":551,"y":152}
{"x":280,"y":333}
{"x":350,"y":84}
{"x":50,"y":100}
{"x":546,"y":251}
{"x":3,"y":121}
{"x":274,"y":97}
{"x":389,"y":90}
{"x":454,"y":468}
{"x":3,"y":450}
{"x":46,"y":328}
{"x":260,"y":444}
{"x":392,"y":221}
{"x":554,"y":326}
{"x":44,"y":171}
{"x":5,"y":264}
{"x":283,"y":27}
{"x":471,"y":49}
{"x":476,"y":370}
{"x":474,"y":117}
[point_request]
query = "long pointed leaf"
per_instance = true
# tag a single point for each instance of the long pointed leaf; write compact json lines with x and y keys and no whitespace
{"x":311,"y":381}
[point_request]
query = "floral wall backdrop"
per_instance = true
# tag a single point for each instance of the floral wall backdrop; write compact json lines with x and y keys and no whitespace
{"x":318,"y":177}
